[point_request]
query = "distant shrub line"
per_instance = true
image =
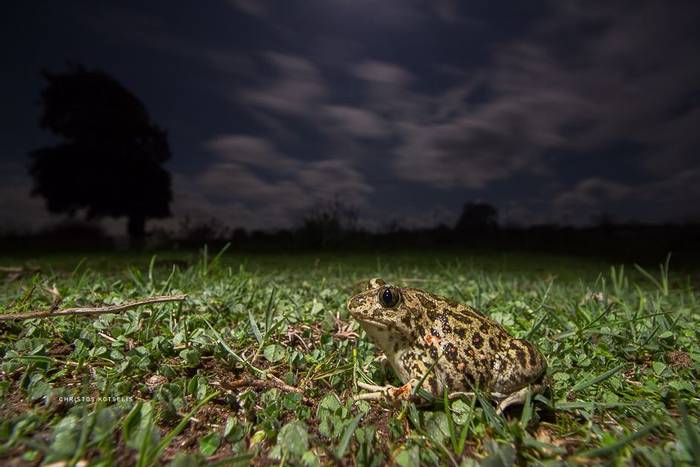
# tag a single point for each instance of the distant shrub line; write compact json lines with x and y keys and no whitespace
{"x":623,"y":241}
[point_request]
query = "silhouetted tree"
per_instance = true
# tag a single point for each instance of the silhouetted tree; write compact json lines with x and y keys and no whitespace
{"x":477,"y":217}
{"x":110,"y":161}
{"x":326,"y":224}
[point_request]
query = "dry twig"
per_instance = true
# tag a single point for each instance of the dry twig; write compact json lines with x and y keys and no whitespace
{"x":56,"y":297}
{"x":91,"y":310}
{"x":344,"y":329}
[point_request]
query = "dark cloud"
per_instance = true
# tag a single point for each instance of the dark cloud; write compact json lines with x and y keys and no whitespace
{"x":382,"y":72}
{"x":357,"y":121}
{"x":296,"y":87}
{"x":619,"y":80}
{"x":258,"y":8}
{"x":251,"y":151}
{"x":270,"y":189}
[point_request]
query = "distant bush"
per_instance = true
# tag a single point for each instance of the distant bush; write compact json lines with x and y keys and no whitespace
{"x":197,"y":233}
{"x":328,"y":225}
{"x":477,"y":217}
{"x":68,"y":235}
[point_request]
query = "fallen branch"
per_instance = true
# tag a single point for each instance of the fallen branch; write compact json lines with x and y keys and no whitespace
{"x":18,"y":269}
{"x":92,"y":310}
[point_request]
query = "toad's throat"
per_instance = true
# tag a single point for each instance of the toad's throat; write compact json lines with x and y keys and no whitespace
{"x":382,"y":333}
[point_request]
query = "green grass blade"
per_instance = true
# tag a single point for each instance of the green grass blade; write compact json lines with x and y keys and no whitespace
{"x":144,"y":458}
{"x":526,"y":416}
{"x":467,"y":427}
{"x":255,"y":328}
{"x":158,"y":450}
{"x":597,"y":379}
{"x":541,"y":319}
{"x":221,"y":252}
{"x":585,"y":405}
{"x":270,"y":310}
{"x":691,"y":433}
{"x":228,"y":349}
{"x":88,"y":423}
{"x":490,"y":413}
{"x":648,"y":275}
{"x":617,"y":445}
{"x":347,"y":434}
{"x":131,"y":419}
{"x":450,"y":421}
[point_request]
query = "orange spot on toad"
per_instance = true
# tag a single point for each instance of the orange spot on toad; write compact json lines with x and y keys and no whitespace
{"x":432,"y":340}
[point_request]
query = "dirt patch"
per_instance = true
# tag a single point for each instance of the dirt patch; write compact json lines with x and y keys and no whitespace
{"x":679,"y":360}
{"x":13,"y":404}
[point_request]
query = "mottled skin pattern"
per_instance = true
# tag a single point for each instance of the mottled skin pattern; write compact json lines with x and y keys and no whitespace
{"x":471,"y":350}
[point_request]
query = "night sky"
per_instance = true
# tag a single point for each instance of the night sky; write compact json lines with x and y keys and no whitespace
{"x":552,"y":111}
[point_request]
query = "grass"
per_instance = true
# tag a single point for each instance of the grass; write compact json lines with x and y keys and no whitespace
{"x":260,"y":363}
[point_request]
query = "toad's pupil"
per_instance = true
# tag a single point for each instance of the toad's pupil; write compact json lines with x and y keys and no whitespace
{"x":387,"y":297}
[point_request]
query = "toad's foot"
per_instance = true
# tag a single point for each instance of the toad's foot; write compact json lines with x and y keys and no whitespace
{"x":518,"y":397}
{"x":389,"y":393}
{"x":505,"y":400}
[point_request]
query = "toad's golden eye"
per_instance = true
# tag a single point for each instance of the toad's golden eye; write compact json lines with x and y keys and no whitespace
{"x":389,"y":297}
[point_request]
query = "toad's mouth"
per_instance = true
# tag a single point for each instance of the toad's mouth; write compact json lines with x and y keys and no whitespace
{"x":374,"y":322}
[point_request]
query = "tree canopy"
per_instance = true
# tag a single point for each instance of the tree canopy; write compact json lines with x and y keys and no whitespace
{"x":109,"y":163}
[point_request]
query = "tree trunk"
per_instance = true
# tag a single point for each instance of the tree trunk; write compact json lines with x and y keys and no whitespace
{"x":136,"y":228}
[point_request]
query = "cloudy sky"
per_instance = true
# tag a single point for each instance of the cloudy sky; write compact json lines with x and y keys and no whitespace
{"x":553,"y":111}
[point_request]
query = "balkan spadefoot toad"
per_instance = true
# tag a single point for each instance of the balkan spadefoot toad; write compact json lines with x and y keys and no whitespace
{"x":416,"y":329}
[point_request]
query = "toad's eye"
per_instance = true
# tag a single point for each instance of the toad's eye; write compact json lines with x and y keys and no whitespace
{"x":389,"y":297}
